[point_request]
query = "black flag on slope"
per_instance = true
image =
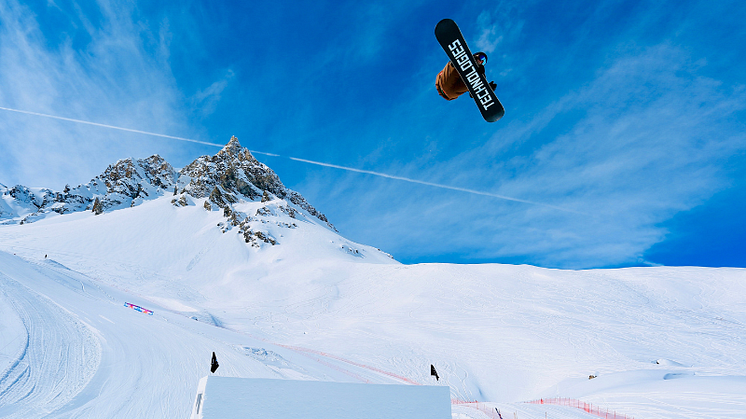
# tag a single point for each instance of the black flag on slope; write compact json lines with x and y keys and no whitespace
{"x":433,"y":372}
{"x":214,"y":364}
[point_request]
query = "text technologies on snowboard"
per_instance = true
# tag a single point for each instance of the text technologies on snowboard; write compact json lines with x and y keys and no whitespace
{"x":462,"y":58}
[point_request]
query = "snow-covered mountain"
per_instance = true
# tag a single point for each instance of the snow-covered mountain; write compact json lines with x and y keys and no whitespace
{"x":219,"y":217}
{"x":231,"y":176}
{"x":232,"y":261}
{"x":250,"y":196}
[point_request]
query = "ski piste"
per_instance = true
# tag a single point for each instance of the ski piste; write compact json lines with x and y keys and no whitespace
{"x":453,"y":43}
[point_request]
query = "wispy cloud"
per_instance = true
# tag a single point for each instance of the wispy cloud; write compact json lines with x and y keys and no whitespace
{"x":422,"y":182}
{"x":109,"y":77}
{"x":95,"y":124}
{"x":495,"y":26}
{"x":206,"y":100}
{"x":489,"y":38}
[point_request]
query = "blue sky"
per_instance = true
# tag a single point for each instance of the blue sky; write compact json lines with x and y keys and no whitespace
{"x":624,"y":138}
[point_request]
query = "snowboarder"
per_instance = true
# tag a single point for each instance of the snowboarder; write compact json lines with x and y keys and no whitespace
{"x":433,"y":372}
{"x":465,"y":72}
{"x":449,"y":82}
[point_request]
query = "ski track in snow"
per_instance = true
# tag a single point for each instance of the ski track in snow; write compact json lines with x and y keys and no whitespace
{"x":59,"y":357}
{"x":65,"y":372}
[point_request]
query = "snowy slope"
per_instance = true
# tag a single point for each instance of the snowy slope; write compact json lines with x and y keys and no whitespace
{"x":380,"y":330}
{"x":664,"y":342}
{"x":86,"y":355}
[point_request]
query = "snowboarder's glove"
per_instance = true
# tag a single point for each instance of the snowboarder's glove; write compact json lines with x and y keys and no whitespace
{"x":493,"y":85}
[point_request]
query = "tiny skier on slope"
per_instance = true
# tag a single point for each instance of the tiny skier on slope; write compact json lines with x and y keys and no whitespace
{"x":449,"y":83}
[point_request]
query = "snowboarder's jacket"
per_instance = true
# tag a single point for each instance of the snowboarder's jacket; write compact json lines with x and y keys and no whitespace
{"x":449,"y":83}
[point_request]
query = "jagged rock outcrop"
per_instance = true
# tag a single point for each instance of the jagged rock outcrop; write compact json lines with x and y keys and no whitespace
{"x":126,"y":183}
{"x":233,"y":170}
{"x":97,"y":209}
{"x":139,"y":178}
{"x":232,"y":175}
{"x":129,"y":182}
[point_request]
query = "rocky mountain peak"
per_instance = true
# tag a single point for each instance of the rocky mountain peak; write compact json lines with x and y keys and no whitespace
{"x":233,"y":170}
{"x":230,"y":177}
{"x":234,"y":150}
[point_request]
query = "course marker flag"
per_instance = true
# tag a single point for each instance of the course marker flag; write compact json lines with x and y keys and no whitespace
{"x":138,"y":308}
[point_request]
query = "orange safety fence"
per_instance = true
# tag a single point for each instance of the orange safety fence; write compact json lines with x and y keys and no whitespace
{"x":587,"y":407}
{"x":559,"y":401}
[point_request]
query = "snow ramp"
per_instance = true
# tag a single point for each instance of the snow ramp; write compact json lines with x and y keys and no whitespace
{"x":246,"y":398}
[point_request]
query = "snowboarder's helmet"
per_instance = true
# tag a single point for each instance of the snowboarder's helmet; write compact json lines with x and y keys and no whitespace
{"x":482,"y":57}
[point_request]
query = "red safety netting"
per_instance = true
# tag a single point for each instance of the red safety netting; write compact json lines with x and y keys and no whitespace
{"x":587,"y":407}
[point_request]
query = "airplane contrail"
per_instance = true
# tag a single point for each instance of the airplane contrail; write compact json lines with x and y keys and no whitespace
{"x":108,"y":126}
{"x":334,"y":166}
{"x":421,"y":182}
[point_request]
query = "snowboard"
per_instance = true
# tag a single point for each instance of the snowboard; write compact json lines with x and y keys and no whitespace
{"x":453,"y":43}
